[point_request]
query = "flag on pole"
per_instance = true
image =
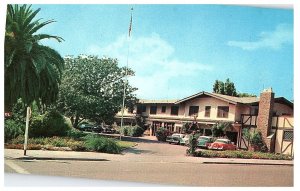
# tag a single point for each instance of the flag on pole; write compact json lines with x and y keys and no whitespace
{"x":130,"y":24}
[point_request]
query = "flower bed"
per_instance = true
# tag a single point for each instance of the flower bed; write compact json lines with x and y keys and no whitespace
{"x":87,"y":143}
{"x":241,"y":154}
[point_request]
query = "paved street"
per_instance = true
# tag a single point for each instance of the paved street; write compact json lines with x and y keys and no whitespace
{"x":153,"y":162}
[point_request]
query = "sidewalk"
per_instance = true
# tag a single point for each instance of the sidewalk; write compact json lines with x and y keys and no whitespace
{"x":14,"y":154}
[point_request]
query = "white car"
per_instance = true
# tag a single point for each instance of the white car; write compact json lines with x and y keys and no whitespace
{"x":185,"y":139}
{"x":175,"y":138}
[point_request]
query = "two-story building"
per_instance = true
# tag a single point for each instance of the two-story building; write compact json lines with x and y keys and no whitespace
{"x":207,"y":109}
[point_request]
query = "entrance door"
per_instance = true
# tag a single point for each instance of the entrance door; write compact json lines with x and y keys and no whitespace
{"x":232,"y":136}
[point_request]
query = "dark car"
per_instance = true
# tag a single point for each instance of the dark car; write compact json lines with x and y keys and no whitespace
{"x":85,"y":127}
{"x":108,"y":129}
{"x":97,"y":129}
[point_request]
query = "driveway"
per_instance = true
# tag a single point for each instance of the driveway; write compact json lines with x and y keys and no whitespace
{"x":150,"y":146}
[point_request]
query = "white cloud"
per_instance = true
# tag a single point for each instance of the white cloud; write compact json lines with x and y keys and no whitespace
{"x":153,"y":61}
{"x":283,"y":34}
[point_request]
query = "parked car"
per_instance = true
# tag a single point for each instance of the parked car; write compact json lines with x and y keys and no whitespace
{"x":174,"y":138}
{"x":185,"y":139}
{"x":108,"y":129}
{"x":86,"y":127}
{"x":204,"y":141}
{"x":222,"y":144}
{"x":97,"y":129}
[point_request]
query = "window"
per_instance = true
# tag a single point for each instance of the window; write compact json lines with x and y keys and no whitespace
{"x":223,"y":111}
{"x":163,"y":109}
{"x":207,"y":111}
{"x":174,"y":110}
{"x":288,"y":135}
{"x":141,"y":109}
{"x":153,"y":109}
{"x":193,"y":110}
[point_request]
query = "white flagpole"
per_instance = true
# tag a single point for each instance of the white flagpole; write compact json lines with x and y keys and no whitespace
{"x":28,"y":114}
{"x":126,"y":73}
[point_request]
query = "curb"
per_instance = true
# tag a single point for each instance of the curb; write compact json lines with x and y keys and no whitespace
{"x":245,"y":163}
{"x":59,"y":158}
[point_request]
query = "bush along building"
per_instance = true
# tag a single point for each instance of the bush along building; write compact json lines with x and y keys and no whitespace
{"x":271,"y":116}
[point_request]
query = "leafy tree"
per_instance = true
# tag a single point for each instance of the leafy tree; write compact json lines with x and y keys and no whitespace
{"x":218,"y":87}
{"x":32,"y":71}
{"x":229,"y":88}
{"x":219,"y":129}
{"x":245,"y":95}
{"x":92,"y":88}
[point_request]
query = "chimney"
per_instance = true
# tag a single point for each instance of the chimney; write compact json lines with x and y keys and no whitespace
{"x":265,"y":114}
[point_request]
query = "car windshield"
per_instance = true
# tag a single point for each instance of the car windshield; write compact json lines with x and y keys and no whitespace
{"x":175,"y":135}
{"x":203,"y":138}
{"x":222,"y":141}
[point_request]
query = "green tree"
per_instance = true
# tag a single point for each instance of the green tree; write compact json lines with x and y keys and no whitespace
{"x":92,"y":88}
{"x":245,"y":95}
{"x":218,"y":87}
{"x":227,"y":88}
{"x":32,"y":70}
{"x":219,"y":129}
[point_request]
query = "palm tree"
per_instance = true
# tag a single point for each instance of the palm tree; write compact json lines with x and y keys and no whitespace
{"x":32,"y":71}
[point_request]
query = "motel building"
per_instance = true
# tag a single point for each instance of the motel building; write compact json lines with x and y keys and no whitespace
{"x":272,"y":116}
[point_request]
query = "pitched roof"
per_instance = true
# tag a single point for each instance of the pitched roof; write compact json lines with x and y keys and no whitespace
{"x":157,"y":101}
{"x":227,"y":98}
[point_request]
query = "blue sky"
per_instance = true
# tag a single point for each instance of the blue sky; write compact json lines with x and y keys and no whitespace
{"x":179,"y":50}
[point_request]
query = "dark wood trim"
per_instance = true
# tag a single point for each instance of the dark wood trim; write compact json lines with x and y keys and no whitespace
{"x":288,"y":122}
{"x":281,"y":142}
{"x":287,"y":147}
{"x":287,"y":129}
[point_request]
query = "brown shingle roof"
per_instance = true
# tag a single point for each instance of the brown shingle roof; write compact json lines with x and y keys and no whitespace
{"x":157,"y":101}
{"x":230,"y":99}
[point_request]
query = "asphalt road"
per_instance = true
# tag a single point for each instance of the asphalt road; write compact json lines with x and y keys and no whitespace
{"x":184,"y":174}
{"x":149,"y":162}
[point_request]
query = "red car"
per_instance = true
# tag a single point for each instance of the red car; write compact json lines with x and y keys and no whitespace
{"x":222,"y":144}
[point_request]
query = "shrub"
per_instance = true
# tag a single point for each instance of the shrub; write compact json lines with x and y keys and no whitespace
{"x":13,"y":129}
{"x":133,"y":131}
{"x":124,"y":130}
{"x":136,"y":131}
{"x":102,"y":144}
{"x":75,"y":134}
{"x":59,"y":142}
{"x":77,"y":145}
{"x":50,"y":124}
{"x":241,"y":154}
{"x":255,"y":139}
{"x":36,"y":126}
{"x":162,"y":133}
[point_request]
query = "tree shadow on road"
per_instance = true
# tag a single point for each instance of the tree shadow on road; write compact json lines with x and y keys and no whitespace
{"x":134,"y":150}
{"x":141,"y":140}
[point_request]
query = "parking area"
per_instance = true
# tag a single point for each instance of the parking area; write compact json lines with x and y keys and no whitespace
{"x":150,"y":146}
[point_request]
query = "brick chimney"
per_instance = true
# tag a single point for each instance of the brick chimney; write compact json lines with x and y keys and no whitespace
{"x":265,"y":113}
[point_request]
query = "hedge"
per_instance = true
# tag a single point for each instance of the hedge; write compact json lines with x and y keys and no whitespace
{"x":241,"y":154}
